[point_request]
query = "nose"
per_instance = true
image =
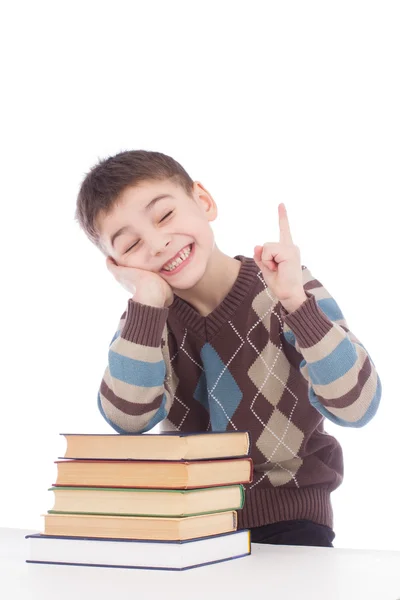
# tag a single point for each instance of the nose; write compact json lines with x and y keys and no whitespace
{"x":158,"y":246}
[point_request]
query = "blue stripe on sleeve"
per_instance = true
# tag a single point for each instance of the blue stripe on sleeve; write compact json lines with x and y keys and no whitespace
{"x":136,"y":372}
{"x":334,"y":365}
{"x":330,"y":307}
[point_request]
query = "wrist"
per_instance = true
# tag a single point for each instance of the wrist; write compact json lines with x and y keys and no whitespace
{"x":294,"y":303}
{"x":154,"y":301}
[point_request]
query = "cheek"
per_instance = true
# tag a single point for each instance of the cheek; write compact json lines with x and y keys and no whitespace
{"x":206,"y":233}
{"x":130,"y":261}
{"x":135,"y":261}
{"x":196,"y":227}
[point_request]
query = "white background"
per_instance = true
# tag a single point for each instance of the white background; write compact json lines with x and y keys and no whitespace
{"x":263,"y":102}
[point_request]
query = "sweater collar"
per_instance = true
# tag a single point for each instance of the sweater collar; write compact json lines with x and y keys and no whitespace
{"x":208,"y":326}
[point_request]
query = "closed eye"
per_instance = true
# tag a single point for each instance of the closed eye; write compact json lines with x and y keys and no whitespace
{"x":165,"y":216}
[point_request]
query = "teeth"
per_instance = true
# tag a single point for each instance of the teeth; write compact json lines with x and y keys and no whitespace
{"x":182,"y":256}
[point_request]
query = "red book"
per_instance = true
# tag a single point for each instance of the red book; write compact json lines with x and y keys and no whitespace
{"x":154,"y":474}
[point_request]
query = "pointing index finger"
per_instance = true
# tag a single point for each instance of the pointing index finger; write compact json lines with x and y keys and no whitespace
{"x":285,"y":235}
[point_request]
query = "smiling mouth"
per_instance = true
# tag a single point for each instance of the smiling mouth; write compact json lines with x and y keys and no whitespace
{"x":181,"y":257}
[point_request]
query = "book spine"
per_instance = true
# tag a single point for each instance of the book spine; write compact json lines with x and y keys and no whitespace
{"x":235,"y":520}
{"x":249,"y":441}
{"x":251,"y":470}
{"x":242,"y":496}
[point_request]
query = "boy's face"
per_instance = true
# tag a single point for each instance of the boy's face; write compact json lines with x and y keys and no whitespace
{"x":147,"y":236}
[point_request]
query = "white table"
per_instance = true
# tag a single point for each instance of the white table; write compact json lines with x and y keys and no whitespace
{"x":270,"y":573}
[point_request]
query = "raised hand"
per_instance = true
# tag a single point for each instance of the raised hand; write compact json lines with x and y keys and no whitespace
{"x":280,"y":265}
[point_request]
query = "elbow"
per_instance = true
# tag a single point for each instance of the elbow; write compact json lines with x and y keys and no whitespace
{"x":372,"y":408}
{"x":103,"y":414}
{"x":366,"y":417}
{"x":129,"y":425}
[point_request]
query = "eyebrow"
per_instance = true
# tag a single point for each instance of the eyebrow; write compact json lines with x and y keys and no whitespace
{"x":146,"y":209}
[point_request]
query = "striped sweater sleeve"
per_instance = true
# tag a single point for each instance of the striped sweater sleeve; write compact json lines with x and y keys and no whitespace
{"x":134,"y":394}
{"x":343,"y":384}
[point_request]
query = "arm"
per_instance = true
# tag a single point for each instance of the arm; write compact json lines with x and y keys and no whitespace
{"x":343,"y":383}
{"x":134,"y":395}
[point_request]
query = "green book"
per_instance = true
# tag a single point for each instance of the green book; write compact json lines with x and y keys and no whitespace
{"x":146,"y":502}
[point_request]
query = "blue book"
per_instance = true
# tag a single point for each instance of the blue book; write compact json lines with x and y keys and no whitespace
{"x":138,"y":554}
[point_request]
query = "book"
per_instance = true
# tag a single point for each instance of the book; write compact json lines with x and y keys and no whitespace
{"x":164,"y":446}
{"x":145,"y":502}
{"x":149,"y":528}
{"x":153,"y":474}
{"x":139,"y":554}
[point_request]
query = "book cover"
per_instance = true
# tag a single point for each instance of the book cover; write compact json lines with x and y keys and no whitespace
{"x":147,"y":502}
{"x":154,"y":474}
{"x":162,"y":446}
{"x":145,"y":528}
{"x":138,"y":554}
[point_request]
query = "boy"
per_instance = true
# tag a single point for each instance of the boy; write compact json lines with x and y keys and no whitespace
{"x":214,"y":343}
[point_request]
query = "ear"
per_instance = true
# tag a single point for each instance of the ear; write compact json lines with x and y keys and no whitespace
{"x":205,"y":201}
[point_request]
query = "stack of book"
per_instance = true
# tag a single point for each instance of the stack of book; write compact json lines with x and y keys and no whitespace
{"x":160,"y":501}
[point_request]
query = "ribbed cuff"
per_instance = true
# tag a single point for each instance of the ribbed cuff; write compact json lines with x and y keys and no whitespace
{"x":308,"y":323}
{"x":144,"y":324}
{"x":271,"y":505}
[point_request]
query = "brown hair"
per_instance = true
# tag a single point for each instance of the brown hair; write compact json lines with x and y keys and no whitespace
{"x":105,"y":182}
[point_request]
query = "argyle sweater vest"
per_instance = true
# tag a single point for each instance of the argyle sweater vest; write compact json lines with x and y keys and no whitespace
{"x":249,"y":365}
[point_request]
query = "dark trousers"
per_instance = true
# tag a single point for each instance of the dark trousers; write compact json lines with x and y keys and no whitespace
{"x":293,"y":533}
